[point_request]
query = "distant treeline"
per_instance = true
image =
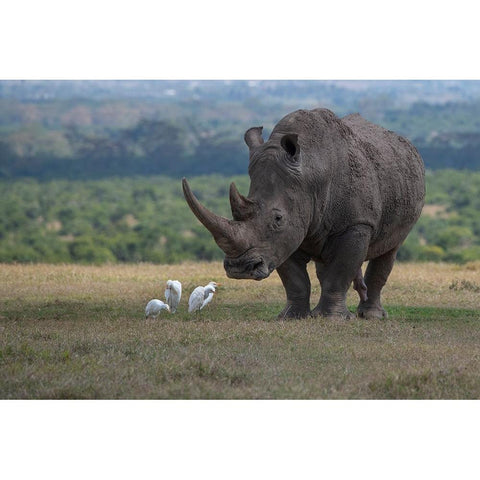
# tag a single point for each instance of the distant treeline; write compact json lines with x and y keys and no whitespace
{"x":86,"y":139}
{"x":152,"y":147}
{"x":147,"y":219}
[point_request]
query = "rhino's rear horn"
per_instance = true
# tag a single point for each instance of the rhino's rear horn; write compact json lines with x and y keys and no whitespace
{"x":242,"y":208}
{"x":253,"y":137}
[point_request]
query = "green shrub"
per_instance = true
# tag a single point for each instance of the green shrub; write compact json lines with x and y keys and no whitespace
{"x":147,"y":219}
{"x":431,"y":253}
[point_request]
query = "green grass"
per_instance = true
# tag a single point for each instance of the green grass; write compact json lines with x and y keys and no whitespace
{"x":79,"y":332}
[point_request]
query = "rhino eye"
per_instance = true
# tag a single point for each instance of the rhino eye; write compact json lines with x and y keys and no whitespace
{"x":277,"y":220}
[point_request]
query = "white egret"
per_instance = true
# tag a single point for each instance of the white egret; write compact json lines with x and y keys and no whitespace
{"x":173,"y":293}
{"x":154,"y":307}
{"x":201,"y":297}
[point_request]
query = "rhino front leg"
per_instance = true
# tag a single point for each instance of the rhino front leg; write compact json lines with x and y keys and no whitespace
{"x":342,"y":261}
{"x":296,"y":282}
{"x":376,"y":276}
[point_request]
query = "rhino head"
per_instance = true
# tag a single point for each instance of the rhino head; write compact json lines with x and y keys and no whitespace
{"x":273,"y":220}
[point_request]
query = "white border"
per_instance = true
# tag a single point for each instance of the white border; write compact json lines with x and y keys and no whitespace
{"x":239,"y":439}
{"x":213,"y":39}
{"x":249,"y":40}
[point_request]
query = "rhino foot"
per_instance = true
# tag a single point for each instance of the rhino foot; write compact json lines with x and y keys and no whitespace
{"x":371,"y":312}
{"x":344,"y":314}
{"x":292,"y":311}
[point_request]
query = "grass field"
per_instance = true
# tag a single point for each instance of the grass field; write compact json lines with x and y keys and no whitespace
{"x":74,"y":332}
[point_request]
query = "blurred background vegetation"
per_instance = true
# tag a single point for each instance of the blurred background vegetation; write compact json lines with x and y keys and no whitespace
{"x":90,"y":170}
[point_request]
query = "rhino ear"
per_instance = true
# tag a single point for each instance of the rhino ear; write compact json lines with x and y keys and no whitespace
{"x":289,"y":143}
{"x":253,"y":137}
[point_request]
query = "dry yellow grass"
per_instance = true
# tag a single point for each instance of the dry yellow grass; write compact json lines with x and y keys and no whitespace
{"x":69,"y":331}
{"x":432,"y":210}
{"x":425,"y":284}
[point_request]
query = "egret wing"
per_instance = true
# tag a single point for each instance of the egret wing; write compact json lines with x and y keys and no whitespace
{"x":207,"y":299}
{"x":196,"y":299}
{"x":153,"y":307}
{"x":176,"y":294}
{"x":177,"y":286}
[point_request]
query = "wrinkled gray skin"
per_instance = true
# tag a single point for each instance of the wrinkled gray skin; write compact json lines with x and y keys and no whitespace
{"x":336,"y":191}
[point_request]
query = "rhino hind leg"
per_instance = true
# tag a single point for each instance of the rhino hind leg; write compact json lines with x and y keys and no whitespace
{"x":360,"y":286}
{"x":376,"y":276}
{"x":295,"y":279}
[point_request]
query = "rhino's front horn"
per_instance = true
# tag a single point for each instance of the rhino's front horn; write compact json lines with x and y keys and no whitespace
{"x":225,"y":232}
{"x":253,"y":137}
{"x":242,"y":207}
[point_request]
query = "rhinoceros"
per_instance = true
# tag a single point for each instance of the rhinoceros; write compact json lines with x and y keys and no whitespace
{"x":339,"y":191}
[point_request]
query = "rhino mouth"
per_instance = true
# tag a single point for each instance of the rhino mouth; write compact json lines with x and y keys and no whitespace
{"x":247,"y":266}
